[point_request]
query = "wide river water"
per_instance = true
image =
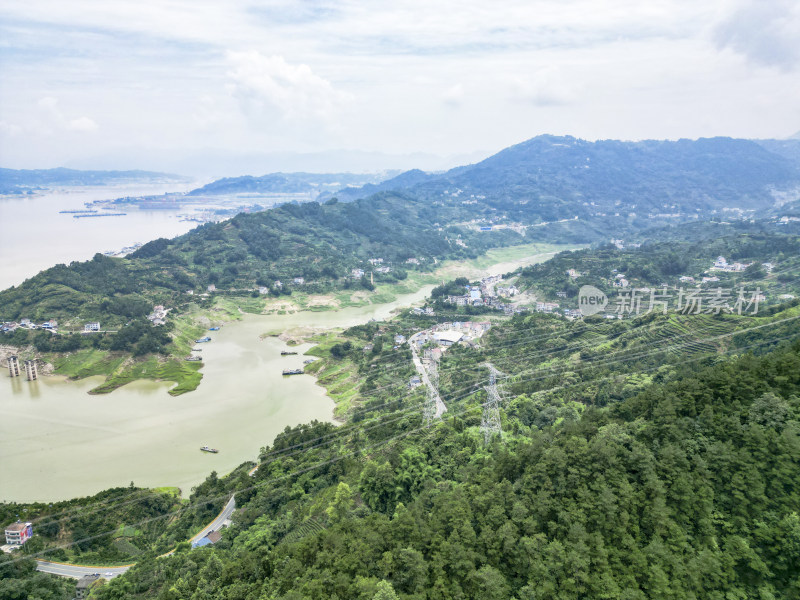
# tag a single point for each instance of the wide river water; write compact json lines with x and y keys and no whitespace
{"x":37,"y":236}
{"x":58,"y":442}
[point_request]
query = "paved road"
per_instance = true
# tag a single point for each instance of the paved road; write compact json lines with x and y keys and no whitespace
{"x":440,"y":405}
{"x":217,"y":523}
{"x":78,"y":571}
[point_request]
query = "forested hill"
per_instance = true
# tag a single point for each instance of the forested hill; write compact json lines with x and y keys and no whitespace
{"x":285,"y":183}
{"x":685,"y":487}
{"x":19,"y":181}
{"x":559,"y":177}
{"x":319,"y":243}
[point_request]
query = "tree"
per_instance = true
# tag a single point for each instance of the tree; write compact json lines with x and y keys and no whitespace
{"x":342,"y":503}
{"x":385,"y":591}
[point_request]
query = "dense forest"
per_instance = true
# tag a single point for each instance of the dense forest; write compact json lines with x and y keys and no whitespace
{"x":687,"y":488}
{"x":654,"y":456}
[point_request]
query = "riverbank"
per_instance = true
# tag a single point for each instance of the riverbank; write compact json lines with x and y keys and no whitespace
{"x":119,"y":369}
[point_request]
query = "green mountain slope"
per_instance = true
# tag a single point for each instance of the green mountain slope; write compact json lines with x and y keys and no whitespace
{"x":684,"y":486}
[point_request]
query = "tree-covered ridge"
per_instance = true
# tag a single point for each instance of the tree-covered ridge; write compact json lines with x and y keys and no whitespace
{"x":320,"y":243}
{"x":284,"y":183}
{"x":13,"y":181}
{"x":672,"y":255}
{"x":686,"y":489}
{"x":560,"y":176}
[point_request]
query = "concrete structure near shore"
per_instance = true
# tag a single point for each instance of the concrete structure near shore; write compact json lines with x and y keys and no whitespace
{"x":13,"y":366}
{"x":30,"y":370}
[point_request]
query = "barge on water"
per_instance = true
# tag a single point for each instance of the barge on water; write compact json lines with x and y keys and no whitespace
{"x":286,"y":353}
{"x":292,"y":371}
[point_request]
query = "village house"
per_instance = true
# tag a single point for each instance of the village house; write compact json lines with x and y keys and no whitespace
{"x":546,"y":307}
{"x":211,"y":288}
{"x":94,"y":326}
{"x":84,"y":584}
{"x":18,"y":533}
{"x":447,"y":338}
{"x":299,"y":280}
{"x":357,"y":273}
{"x":375,"y":261}
{"x":158,"y":316}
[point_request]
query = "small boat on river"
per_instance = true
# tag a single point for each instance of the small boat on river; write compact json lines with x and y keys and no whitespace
{"x":287,"y":353}
{"x":207,"y":449}
{"x":293,"y":371}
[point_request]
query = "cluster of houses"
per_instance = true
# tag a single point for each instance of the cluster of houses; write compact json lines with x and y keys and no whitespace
{"x":50,"y":325}
{"x":487,"y":293}
{"x":9,"y":326}
{"x":722,"y":265}
{"x":158,"y":316}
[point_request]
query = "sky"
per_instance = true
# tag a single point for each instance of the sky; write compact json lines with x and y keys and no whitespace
{"x":234,"y":86}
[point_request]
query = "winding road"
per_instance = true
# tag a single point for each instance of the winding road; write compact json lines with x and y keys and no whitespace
{"x":440,"y":405}
{"x":78,"y":571}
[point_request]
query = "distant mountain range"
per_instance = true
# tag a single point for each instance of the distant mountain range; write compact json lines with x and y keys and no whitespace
{"x":559,"y":177}
{"x":288,"y":183}
{"x":555,"y":189}
{"x":17,"y":181}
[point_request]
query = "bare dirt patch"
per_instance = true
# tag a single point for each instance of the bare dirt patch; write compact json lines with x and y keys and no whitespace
{"x":360,"y":297}
{"x":323,"y":301}
{"x":280,"y":306}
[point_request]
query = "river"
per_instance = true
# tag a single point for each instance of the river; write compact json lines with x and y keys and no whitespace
{"x":58,"y":442}
{"x":37,"y":236}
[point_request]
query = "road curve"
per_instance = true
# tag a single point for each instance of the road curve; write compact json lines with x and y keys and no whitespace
{"x":78,"y":571}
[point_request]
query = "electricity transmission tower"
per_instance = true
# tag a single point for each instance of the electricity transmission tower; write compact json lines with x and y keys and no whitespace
{"x":490,"y":421}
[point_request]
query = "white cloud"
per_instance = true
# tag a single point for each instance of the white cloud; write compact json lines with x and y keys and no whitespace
{"x":269,"y":84}
{"x":52,"y":118}
{"x":444,"y":77}
{"x":81,"y":124}
{"x":544,"y":87}
{"x":765,"y":31}
{"x":454,"y":96}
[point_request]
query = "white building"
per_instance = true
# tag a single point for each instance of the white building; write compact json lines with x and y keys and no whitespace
{"x":18,"y":533}
{"x":94,"y":326}
{"x":447,"y":338}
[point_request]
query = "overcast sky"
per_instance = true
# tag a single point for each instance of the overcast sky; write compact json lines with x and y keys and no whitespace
{"x":161,"y":83}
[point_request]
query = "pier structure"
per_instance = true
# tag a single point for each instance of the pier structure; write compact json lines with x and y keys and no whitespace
{"x":30,"y":370}
{"x":13,"y":366}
